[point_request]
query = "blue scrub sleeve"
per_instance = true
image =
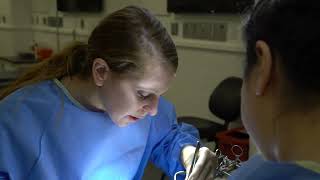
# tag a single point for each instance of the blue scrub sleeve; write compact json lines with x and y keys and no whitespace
{"x":166,"y":154}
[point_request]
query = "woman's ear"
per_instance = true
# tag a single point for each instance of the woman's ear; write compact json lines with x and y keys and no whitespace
{"x":264,"y":65}
{"x":100,"y":71}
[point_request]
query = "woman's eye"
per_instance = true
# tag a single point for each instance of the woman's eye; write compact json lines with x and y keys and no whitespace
{"x":143,"y":95}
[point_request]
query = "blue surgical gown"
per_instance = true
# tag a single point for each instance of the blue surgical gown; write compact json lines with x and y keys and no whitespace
{"x":259,"y":169}
{"x":45,"y":135}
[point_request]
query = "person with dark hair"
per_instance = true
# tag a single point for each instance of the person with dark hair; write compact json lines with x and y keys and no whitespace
{"x":280,"y":105}
{"x":95,"y":110}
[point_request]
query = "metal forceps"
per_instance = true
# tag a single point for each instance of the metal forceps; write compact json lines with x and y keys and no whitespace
{"x":225,"y":165}
{"x":194,"y":160}
{"x":195,"y":157}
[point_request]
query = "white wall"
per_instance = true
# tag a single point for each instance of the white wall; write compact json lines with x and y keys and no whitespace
{"x":15,"y":34}
{"x":7,"y":42}
{"x":4,"y":5}
{"x":199,"y":73}
{"x":203,"y":64}
{"x":158,"y":7}
{"x":7,"y":47}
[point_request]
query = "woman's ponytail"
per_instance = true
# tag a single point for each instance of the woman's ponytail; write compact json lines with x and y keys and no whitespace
{"x":70,"y":61}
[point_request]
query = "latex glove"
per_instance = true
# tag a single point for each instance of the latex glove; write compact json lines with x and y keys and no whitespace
{"x":205,"y":165}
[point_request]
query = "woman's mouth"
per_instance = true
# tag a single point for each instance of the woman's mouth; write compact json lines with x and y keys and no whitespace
{"x":133,"y":118}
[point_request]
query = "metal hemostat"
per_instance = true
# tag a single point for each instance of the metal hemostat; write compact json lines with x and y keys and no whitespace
{"x":225,"y":165}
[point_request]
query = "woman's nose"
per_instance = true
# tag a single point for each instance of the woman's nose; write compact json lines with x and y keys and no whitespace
{"x":152,"y":106}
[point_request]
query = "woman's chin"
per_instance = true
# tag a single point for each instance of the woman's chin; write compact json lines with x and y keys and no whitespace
{"x":121,"y":122}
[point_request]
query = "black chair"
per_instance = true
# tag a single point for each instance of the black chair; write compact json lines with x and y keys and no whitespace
{"x":224,"y":103}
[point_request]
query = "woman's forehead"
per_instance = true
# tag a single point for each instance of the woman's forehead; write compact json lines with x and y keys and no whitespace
{"x":156,"y":77}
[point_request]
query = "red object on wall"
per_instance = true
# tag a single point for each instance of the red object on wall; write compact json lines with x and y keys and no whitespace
{"x":230,"y":142}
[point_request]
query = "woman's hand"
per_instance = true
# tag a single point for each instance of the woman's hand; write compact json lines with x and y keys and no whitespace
{"x":204,"y":166}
